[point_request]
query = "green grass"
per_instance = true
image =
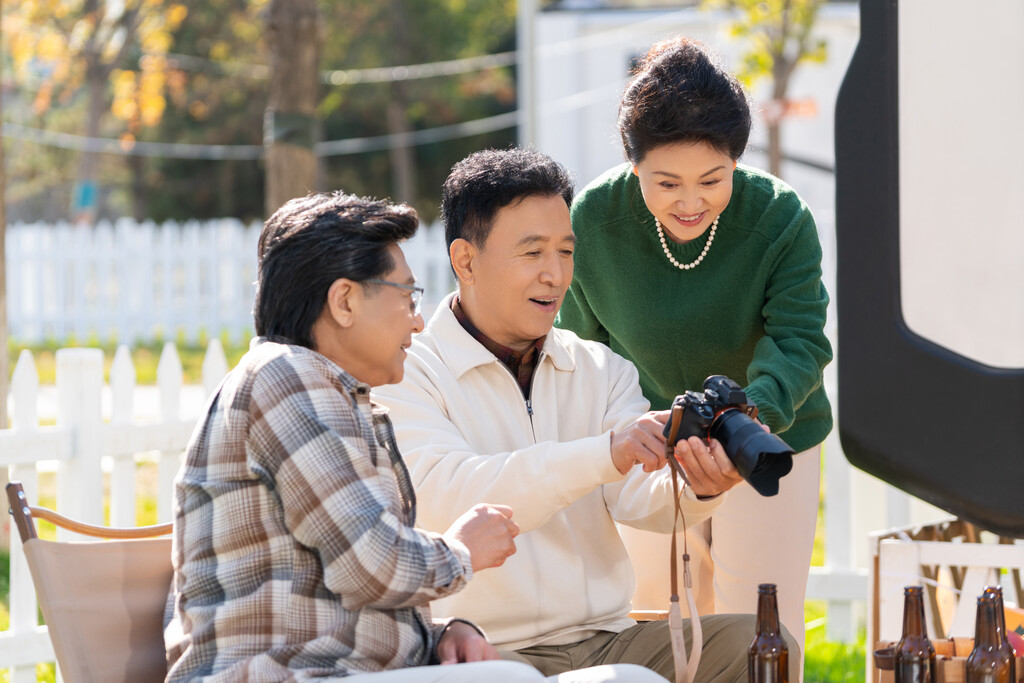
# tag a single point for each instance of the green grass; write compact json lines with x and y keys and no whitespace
{"x":825,"y":661}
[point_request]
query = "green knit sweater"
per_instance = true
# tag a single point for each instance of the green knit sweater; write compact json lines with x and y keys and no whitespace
{"x":754,"y":309}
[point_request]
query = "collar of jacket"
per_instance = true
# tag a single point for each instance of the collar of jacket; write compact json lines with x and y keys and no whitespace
{"x":461,"y":352}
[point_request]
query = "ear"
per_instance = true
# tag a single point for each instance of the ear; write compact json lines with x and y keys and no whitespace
{"x":462,"y":253}
{"x":636,"y":171}
{"x":735,"y":162}
{"x":344,"y":297}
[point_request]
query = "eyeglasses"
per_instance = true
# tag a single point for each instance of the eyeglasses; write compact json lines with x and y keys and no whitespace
{"x":416,"y":292}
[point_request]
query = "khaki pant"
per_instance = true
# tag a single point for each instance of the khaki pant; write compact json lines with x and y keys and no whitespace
{"x":724,"y":657}
{"x":750,"y":539}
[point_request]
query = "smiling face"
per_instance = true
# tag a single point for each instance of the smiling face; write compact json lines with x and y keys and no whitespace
{"x":366,"y":328}
{"x":512,"y":286}
{"x":686,"y":185}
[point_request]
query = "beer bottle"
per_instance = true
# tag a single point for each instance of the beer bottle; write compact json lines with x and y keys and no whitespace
{"x":914,"y":654}
{"x":768,"y":656}
{"x":990,"y":661}
{"x":997,"y":594}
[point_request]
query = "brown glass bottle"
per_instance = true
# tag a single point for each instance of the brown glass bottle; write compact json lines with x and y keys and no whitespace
{"x":914,"y":655}
{"x":997,"y":595}
{"x":768,"y":656}
{"x":990,"y":661}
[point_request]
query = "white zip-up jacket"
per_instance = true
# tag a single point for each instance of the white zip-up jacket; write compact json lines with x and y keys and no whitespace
{"x":469,"y":437}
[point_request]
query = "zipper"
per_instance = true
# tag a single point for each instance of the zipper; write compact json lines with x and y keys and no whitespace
{"x":529,"y":412}
{"x":529,"y":401}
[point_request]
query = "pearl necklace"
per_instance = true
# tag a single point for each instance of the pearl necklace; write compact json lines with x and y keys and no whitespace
{"x":696,"y":261}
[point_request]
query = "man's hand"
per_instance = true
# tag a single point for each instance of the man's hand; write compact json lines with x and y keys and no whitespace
{"x":461,"y":643}
{"x":487,"y":530}
{"x":709,"y":469}
{"x":641,"y":443}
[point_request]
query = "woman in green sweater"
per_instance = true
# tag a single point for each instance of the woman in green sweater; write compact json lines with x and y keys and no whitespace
{"x":691,"y":265}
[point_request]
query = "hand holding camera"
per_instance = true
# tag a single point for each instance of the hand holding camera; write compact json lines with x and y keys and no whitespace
{"x":709,"y":471}
{"x":722,"y":413}
{"x":642,"y":444}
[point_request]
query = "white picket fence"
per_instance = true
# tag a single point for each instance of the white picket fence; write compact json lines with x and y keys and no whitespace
{"x":85,"y":447}
{"x":133,"y":281}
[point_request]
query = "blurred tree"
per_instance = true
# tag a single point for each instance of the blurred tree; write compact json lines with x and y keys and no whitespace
{"x":293,"y":35}
{"x":228,"y":84}
{"x":5,"y":536}
{"x":67,"y":45}
{"x":780,"y":37}
{"x":216,"y":89}
{"x":217,"y":93}
{"x":403,"y":167}
{"x":3,"y":282}
{"x":363,"y":35}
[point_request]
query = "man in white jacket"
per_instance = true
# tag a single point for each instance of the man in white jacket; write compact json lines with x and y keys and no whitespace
{"x":499,"y":406}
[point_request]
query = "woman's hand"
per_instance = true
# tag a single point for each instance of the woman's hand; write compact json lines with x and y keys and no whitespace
{"x":708,"y":468}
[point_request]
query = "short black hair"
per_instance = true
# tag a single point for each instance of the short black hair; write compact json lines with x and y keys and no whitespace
{"x":487,"y":181}
{"x":314,"y":240}
{"x":680,"y":93}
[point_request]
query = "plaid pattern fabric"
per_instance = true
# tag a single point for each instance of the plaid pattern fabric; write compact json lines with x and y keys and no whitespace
{"x":521,"y":365}
{"x":295,"y":551}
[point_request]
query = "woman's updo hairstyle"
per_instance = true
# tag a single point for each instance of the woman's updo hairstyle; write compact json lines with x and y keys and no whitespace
{"x":679,"y":93}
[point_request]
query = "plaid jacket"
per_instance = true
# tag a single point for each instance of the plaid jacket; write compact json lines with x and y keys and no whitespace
{"x":295,"y":552}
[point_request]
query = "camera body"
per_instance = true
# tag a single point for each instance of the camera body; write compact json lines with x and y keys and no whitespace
{"x":722,"y":412}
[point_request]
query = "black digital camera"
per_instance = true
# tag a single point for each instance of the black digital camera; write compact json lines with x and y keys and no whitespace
{"x":722,"y":412}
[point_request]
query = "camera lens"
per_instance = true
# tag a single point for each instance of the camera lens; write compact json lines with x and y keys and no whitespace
{"x":760,"y":457}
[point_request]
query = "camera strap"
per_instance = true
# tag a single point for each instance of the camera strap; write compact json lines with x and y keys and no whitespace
{"x":686,"y":671}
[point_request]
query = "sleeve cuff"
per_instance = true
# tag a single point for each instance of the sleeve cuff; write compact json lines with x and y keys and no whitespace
{"x":699,"y":508}
{"x":462,"y":554}
{"x":612,"y":473}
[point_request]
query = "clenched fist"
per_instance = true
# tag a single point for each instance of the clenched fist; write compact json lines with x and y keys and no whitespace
{"x":487,"y":530}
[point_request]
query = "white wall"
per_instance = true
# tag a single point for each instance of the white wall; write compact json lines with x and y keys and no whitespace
{"x":961,"y":180}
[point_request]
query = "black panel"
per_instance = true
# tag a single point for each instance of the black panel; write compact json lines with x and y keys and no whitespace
{"x":940,"y":426}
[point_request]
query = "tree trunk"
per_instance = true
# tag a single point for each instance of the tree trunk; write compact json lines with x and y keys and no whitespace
{"x":293,"y":38}
{"x":87,"y":199}
{"x":140,"y":192}
{"x":403,"y":168}
{"x":782,"y":71}
{"x":775,"y":149}
{"x":403,"y":158}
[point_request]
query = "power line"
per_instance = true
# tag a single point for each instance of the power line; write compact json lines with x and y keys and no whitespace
{"x":328,"y":148}
{"x":416,"y":71}
{"x":323,"y":149}
{"x":385,"y":74}
{"x":451,"y":67}
{"x":417,"y":137}
{"x":173,"y":150}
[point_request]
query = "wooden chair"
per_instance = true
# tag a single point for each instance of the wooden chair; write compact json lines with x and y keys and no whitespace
{"x":103,"y":601}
